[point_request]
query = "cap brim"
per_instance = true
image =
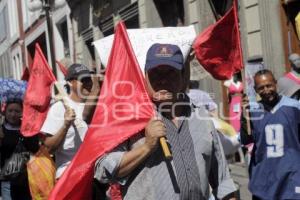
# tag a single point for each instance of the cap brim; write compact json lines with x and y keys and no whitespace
{"x":152,"y":65}
{"x":78,"y":76}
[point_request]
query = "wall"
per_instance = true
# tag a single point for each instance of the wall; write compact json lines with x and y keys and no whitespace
{"x":5,"y":61}
{"x":262,"y":35}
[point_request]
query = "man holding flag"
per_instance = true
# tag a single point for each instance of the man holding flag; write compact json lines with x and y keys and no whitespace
{"x":198,"y":159}
{"x":64,"y":127}
{"x":124,"y":151}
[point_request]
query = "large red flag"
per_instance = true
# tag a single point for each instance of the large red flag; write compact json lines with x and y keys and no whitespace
{"x":218,"y":48}
{"x":38,"y":94}
{"x":25,"y":75}
{"x":123,"y":109}
{"x":62,"y":68}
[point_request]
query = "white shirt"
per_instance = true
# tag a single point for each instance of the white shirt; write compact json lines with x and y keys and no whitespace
{"x":74,"y":137}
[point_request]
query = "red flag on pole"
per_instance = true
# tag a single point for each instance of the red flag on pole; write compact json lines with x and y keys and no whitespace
{"x":62,"y":68}
{"x":123,"y":109}
{"x":25,"y":75}
{"x":38,"y":94}
{"x":218,"y":48}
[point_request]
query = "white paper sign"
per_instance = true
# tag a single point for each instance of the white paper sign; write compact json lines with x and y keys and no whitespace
{"x":142,"y":39}
{"x":250,"y":70}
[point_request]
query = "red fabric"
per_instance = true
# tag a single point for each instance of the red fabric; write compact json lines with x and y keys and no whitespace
{"x":218,"y":47}
{"x":62,"y":68}
{"x":115,"y":192}
{"x":123,"y":88}
{"x":291,"y":76}
{"x":38,"y":95}
{"x":25,"y":75}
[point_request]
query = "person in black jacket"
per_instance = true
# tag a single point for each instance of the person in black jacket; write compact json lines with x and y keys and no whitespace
{"x":10,"y":135}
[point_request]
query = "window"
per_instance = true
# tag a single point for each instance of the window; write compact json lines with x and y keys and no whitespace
{"x":130,"y":15}
{"x":171,"y":12}
{"x":3,"y":24}
{"x":84,"y":19}
{"x":107,"y":26}
{"x":5,"y":65}
{"x":25,"y":14}
{"x":17,"y":66}
{"x":88,"y":50}
{"x":31,"y":48}
{"x":221,"y":6}
{"x":63,"y":30}
{"x":13,"y":19}
{"x":105,"y":8}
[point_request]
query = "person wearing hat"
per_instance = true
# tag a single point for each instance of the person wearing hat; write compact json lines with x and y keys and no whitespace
{"x":198,"y":160}
{"x":64,"y":128}
{"x":289,"y":84}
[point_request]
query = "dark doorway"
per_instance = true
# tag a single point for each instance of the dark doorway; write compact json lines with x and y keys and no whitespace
{"x":41,"y":40}
{"x":221,"y":6}
{"x":171,"y":12}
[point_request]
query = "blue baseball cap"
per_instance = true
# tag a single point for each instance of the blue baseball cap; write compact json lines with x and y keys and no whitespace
{"x":164,"y":54}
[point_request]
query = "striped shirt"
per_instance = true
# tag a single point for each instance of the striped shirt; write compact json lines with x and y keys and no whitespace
{"x":184,"y":159}
{"x":198,"y":161}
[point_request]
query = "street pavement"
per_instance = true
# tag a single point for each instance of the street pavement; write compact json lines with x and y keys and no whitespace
{"x":239,"y":173}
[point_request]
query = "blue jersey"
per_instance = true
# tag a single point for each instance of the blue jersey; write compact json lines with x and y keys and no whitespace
{"x":276,"y":170}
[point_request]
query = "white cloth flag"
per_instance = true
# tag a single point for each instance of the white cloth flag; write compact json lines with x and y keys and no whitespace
{"x":142,"y":39}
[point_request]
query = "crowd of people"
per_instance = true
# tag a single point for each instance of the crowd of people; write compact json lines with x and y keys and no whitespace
{"x":199,"y":140}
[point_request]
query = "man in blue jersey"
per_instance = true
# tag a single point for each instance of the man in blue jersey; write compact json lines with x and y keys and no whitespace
{"x":275,"y":164}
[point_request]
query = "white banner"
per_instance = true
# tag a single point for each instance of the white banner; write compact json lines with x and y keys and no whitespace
{"x":250,"y":70}
{"x":142,"y":39}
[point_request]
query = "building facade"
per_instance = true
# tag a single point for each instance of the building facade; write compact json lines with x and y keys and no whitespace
{"x":260,"y":27}
{"x":22,"y":28}
{"x":93,"y":19}
{"x":8,"y":33}
{"x":267,"y":30}
{"x":35,"y":31}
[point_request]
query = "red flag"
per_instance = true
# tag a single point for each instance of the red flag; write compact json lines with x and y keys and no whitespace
{"x":25,"y":75}
{"x":38,"y":94}
{"x":218,"y":48}
{"x":123,"y":109}
{"x":62,"y":68}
